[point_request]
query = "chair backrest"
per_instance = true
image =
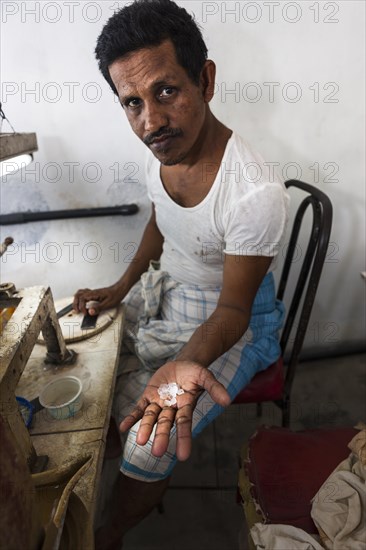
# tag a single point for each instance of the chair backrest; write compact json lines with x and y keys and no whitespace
{"x":310,"y":270}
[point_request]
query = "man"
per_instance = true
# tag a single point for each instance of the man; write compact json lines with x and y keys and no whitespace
{"x":207,"y":319}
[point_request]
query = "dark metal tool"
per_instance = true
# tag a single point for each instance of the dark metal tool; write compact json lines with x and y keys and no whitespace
{"x":23,"y":217}
{"x":64,"y":311}
{"x":89,"y":322}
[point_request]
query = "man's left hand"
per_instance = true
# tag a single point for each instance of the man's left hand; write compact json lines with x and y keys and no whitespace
{"x":193,"y":379}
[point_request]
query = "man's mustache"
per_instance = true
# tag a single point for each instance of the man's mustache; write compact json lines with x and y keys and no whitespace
{"x":163,"y":132}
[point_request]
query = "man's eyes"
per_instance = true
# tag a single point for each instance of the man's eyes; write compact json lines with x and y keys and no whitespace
{"x":167,"y":91}
{"x":135,"y":102}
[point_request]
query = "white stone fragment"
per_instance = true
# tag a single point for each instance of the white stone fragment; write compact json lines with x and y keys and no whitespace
{"x":91,"y":304}
{"x":169,"y":393}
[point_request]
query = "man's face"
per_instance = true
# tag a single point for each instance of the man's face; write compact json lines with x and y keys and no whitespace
{"x":165,"y":109}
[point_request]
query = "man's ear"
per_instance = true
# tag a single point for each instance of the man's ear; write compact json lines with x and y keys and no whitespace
{"x":207,"y":80}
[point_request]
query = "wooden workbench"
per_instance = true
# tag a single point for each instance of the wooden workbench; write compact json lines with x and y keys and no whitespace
{"x":96,"y":366}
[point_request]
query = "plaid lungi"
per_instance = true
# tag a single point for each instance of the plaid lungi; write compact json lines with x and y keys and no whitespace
{"x":160,"y":317}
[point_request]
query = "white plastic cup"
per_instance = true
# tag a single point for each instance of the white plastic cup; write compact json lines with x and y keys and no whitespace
{"x":62,"y":397}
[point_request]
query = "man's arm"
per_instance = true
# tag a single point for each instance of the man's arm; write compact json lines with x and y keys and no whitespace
{"x":230,"y":320}
{"x":150,"y":248}
{"x":242,"y":278}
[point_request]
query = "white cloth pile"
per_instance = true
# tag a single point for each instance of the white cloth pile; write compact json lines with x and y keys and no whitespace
{"x":338,"y":510}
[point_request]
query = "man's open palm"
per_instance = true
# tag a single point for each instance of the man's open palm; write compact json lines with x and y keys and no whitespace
{"x":193,"y":379}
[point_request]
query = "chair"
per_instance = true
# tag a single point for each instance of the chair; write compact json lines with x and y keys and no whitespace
{"x":275,"y":383}
{"x":277,"y":487}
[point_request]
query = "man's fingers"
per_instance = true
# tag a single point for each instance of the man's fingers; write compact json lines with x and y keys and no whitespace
{"x":216,"y":390}
{"x":101,"y":298}
{"x":90,"y":302}
{"x":183,"y":422}
{"x":134,"y":416}
{"x":99,"y":304}
{"x":147,"y":423}
{"x":162,"y":433}
{"x":127,"y":423}
{"x":93,"y":307}
{"x":80,"y":300}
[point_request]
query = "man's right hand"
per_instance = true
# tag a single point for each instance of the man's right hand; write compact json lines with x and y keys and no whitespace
{"x":106,"y":298}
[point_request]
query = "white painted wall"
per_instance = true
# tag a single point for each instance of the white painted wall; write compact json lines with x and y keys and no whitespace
{"x":290,"y":80}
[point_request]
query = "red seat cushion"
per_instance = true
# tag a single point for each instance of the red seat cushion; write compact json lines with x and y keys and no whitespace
{"x":288,"y":468}
{"x":267,"y":385}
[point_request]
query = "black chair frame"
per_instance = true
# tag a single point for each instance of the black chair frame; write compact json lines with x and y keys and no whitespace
{"x":308,"y":280}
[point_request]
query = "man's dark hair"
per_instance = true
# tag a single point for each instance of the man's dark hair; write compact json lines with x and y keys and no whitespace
{"x":147,"y":23}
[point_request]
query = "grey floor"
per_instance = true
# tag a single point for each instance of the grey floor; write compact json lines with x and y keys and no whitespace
{"x":327,"y":392}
